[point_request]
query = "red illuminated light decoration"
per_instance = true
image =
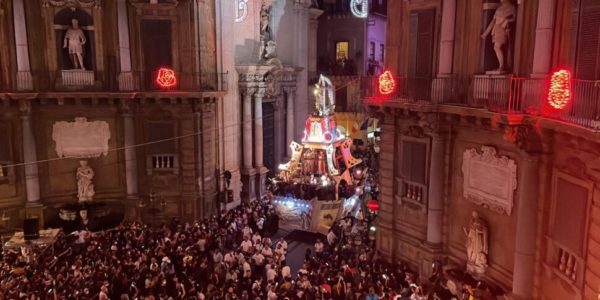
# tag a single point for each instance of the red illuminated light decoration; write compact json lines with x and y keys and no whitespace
{"x":387,"y":84}
{"x":165,"y":78}
{"x":559,"y":94}
{"x":373,"y":206}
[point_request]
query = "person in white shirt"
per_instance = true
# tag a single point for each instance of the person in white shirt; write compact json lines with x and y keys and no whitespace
{"x":271,"y":295}
{"x":256,"y":239}
{"x":230,"y":258}
{"x":247,"y":231}
{"x":246,"y":246}
{"x":271,"y":273}
{"x":258,"y":259}
{"x":267,"y":252}
{"x":286,"y":272}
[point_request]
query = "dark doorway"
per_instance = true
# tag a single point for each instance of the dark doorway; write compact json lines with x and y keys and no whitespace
{"x":269,"y":137}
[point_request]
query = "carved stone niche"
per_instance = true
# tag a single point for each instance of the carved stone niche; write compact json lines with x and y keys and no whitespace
{"x":489,"y":180}
{"x":76,"y":46}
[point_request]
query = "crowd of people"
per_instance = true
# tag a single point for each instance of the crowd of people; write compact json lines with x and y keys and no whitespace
{"x":231,"y":257}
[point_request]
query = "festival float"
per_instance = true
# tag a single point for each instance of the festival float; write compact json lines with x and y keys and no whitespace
{"x":323,"y":181}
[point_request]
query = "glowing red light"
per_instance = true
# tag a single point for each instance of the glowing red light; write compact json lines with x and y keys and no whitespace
{"x":387,"y":84}
{"x":165,"y":78}
{"x":559,"y":93}
{"x":373,"y":206}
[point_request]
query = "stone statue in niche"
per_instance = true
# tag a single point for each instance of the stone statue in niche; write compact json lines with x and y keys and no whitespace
{"x":477,"y":245}
{"x":73,"y":42}
{"x":85,"y":187}
{"x":267,"y":44}
{"x":499,"y":27}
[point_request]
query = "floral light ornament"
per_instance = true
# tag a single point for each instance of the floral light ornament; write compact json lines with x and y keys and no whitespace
{"x":559,"y":93}
{"x":386,"y":82}
{"x":165,"y":78}
{"x":363,"y":12}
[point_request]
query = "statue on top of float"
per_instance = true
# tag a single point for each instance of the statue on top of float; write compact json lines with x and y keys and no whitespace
{"x":325,"y":96}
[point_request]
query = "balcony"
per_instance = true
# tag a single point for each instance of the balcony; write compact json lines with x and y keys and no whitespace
{"x":506,"y":95}
{"x":95,"y":81}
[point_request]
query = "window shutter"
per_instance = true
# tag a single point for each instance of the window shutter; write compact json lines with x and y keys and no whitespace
{"x":161,"y":131}
{"x":407,"y":153}
{"x":571,"y":200}
{"x":412,"y":43}
{"x":425,"y":43}
{"x":588,"y":56}
{"x":419,"y":157}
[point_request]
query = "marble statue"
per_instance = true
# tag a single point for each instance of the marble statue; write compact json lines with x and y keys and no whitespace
{"x":499,"y":27}
{"x":325,"y":96}
{"x":477,"y":245}
{"x":267,"y":50}
{"x":85,"y":187}
{"x":73,"y":42}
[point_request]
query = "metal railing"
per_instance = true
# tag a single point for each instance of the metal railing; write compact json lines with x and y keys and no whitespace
{"x":508,"y":95}
{"x":88,"y":80}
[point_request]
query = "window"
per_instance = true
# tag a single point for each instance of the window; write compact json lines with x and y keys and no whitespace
{"x":341,"y":51}
{"x":161,"y":156}
{"x":420,"y":43}
{"x":156,"y":45}
{"x":587,"y":61}
{"x":382,"y":53}
{"x":372,"y":51}
{"x":568,"y":227}
{"x":412,"y":163}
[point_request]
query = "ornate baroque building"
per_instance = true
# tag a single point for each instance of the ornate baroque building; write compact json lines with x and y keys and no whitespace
{"x":79,"y":74}
{"x":461,"y":135}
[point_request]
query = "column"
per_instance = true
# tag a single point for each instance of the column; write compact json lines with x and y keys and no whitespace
{"x":258,"y":128}
{"x":312,"y":41}
{"x":524,"y":265}
{"x":24,"y":81}
{"x":247,"y":127}
{"x":447,"y":37}
{"x":436,"y":191}
{"x":125,"y":77}
{"x":289,"y":124}
{"x":32,"y":182}
{"x":543,"y":38}
{"x":131,"y":175}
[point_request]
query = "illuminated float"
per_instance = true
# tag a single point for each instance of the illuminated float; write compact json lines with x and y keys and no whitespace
{"x":322,"y":181}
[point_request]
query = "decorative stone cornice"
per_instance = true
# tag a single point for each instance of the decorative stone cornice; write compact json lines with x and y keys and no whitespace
{"x":524,"y":137}
{"x":72,"y":3}
{"x":302,"y":4}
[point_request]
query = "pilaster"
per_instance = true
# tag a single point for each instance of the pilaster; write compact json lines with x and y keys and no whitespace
{"x":24,"y":79}
{"x":131,"y":169}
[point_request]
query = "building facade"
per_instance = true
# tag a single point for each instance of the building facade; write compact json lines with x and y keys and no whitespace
{"x":348,"y":45}
{"x":80,"y":82}
{"x":473,"y":125}
{"x":270,"y":97}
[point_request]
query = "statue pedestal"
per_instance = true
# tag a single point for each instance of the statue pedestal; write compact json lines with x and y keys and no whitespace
{"x":249,"y":182}
{"x":76,"y":78}
{"x":261,"y":182}
{"x":476,"y":271}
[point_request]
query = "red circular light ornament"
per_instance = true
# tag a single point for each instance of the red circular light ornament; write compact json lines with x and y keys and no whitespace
{"x":387,"y":84}
{"x":373,"y":206}
{"x":165,"y":78}
{"x":559,"y":93}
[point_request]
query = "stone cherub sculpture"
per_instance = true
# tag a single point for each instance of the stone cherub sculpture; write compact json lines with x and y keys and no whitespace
{"x":74,"y":41}
{"x":499,"y":27}
{"x":477,"y":245}
{"x":85,"y":187}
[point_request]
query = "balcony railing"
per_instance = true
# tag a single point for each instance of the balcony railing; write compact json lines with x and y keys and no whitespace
{"x":508,"y":95}
{"x":87,"y":80}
